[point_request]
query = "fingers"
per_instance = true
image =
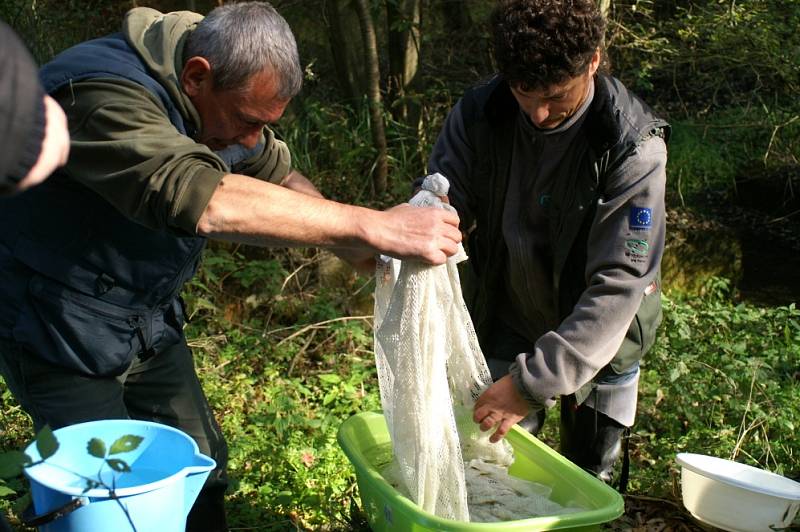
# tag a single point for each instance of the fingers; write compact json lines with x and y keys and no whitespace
{"x":487,"y":419}
{"x":450,"y":217}
{"x":480,"y":412}
{"x":429,"y":234}
{"x":502,"y":430}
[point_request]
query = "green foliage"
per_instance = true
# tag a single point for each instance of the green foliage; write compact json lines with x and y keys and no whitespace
{"x":332,"y":143}
{"x":282,"y":378}
{"x":50,"y":26}
{"x":722,"y":380}
{"x":97,"y":448}
{"x":726,"y":74}
{"x":711,"y":54}
{"x":734,"y":145}
{"x":46,"y":443}
{"x":12,"y":463}
{"x":282,"y":362}
{"x":125,"y":444}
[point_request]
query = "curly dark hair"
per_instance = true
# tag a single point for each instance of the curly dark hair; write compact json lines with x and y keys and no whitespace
{"x":540,"y":43}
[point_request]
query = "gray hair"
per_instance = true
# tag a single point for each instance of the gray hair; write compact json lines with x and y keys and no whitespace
{"x":240,"y":40}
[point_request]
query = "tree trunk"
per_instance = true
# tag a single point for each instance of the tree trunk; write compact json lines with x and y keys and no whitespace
{"x":455,"y":15}
{"x":605,"y":7}
{"x":344,"y":37}
{"x":381,"y":171}
{"x":403,"y":22}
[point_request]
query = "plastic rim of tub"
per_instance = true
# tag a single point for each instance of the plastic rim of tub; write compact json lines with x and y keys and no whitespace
{"x":740,"y":475}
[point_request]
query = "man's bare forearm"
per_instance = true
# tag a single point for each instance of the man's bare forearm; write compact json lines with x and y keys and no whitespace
{"x":251,"y":211}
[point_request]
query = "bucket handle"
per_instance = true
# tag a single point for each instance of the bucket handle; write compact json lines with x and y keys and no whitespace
{"x":52,"y":515}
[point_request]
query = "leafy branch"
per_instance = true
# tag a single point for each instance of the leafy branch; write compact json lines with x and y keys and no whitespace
{"x":12,"y":463}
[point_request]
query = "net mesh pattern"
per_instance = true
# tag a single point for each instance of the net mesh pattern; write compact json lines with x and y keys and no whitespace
{"x":431,"y":370}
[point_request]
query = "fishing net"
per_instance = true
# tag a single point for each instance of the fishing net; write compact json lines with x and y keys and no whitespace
{"x":431,"y":370}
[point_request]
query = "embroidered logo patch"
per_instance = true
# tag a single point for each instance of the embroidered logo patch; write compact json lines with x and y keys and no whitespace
{"x":640,"y":218}
{"x":637,"y":247}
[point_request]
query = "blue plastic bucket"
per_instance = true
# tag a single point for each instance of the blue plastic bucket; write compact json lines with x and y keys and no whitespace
{"x":165,"y":477}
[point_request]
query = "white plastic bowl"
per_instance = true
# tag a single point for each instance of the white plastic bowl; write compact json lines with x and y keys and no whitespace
{"x":737,"y":497}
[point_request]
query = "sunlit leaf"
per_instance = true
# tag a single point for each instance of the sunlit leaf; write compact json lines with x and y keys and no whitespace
{"x":97,"y":448}
{"x":125,"y":444}
{"x":46,"y":443}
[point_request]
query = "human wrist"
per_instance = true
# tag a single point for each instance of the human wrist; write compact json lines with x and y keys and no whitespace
{"x":515,"y":371}
{"x":362,"y":223}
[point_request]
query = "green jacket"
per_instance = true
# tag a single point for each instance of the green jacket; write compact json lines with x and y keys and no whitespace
{"x":125,"y":148}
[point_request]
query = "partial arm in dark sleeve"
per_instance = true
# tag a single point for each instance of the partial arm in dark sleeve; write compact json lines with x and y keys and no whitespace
{"x":453,"y":156}
{"x":22,"y":110}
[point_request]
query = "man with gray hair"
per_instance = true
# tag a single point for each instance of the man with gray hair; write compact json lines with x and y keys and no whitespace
{"x":170,"y":146}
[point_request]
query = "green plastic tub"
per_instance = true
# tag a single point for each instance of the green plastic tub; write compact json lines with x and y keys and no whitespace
{"x":365,"y":440}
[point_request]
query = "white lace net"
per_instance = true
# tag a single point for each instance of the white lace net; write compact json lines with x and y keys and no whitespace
{"x":431,"y":370}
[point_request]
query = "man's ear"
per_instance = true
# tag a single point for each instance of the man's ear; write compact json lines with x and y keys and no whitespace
{"x":594,"y":64}
{"x":196,"y":76}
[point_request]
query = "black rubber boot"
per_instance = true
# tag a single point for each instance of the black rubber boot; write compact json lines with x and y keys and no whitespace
{"x":590,"y":438}
{"x":208,"y":512}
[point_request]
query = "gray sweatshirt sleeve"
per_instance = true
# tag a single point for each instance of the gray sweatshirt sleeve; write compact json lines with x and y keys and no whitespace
{"x":453,"y":156}
{"x":626,"y":242}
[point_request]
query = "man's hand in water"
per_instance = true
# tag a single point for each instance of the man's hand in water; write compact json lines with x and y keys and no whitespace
{"x":500,"y":406}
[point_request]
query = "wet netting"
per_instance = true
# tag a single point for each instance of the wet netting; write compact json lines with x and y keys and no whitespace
{"x":431,"y":370}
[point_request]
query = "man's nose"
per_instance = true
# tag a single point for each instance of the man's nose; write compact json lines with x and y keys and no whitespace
{"x":250,"y":139}
{"x":539,"y":113}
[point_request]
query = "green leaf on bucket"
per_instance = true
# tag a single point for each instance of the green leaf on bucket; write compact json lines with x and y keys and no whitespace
{"x":120,"y":466}
{"x":12,"y":462}
{"x":126,"y":443}
{"x":46,"y":443}
{"x":96,"y":448}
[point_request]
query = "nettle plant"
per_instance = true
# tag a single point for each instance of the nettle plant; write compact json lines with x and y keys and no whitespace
{"x":12,"y":463}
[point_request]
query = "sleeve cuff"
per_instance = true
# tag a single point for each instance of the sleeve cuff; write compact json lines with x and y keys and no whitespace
{"x":194,"y":198}
{"x":516,"y":377}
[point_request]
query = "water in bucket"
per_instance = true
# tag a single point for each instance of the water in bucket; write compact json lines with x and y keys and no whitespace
{"x":71,"y":490}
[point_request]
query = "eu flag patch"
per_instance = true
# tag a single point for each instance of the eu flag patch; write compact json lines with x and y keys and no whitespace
{"x":640,"y":218}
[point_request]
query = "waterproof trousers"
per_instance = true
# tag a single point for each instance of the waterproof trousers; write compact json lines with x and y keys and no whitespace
{"x":163,"y":388}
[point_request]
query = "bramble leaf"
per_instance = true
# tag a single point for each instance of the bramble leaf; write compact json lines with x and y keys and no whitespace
{"x":46,"y":443}
{"x":12,"y":462}
{"x":120,"y":466}
{"x":125,"y":444}
{"x":96,"y":448}
{"x":5,"y":490}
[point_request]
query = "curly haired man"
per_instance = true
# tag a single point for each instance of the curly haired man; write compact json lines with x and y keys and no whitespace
{"x":557,"y":172}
